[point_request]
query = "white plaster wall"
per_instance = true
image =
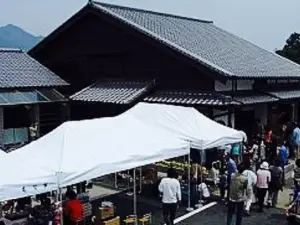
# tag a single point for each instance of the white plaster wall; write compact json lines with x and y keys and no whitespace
{"x":224,"y":117}
{"x":219,"y":86}
{"x":244,"y":85}
{"x":241,"y":85}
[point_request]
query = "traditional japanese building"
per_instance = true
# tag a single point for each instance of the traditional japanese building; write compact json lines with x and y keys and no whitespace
{"x":29,"y":97}
{"x":114,"y":57}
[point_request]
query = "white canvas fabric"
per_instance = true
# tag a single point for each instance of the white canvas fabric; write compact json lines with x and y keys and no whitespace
{"x":81,"y":150}
{"x":2,"y":153}
{"x":187,"y":124}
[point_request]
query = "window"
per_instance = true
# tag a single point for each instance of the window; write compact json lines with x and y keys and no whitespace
{"x":30,"y":97}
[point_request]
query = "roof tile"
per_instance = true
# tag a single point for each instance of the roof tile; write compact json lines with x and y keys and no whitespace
{"x":285,"y":94}
{"x":249,"y":98}
{"x":113,"y":91}
{"x":190,"y":98}
{"x":206,"y":43}
{"x":18,"y":69}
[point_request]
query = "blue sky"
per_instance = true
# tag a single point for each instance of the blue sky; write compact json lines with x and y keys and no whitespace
{"x":266,"y":23}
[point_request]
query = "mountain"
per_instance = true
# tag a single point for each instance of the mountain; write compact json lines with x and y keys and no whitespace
{"x":12,"y":36}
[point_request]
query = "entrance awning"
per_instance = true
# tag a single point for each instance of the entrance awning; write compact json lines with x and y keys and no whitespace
{"x":30,"y":96}
{"x":190,"y":98}
{"x":249,"y":98}
{"x":285,"y":94}
{"x":113,"y":91}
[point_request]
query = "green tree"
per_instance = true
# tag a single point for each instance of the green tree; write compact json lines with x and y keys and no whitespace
{"x":291,"y":49}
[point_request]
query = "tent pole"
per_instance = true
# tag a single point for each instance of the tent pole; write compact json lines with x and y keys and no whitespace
{"x":200,"y":197}
{"x":134,"y":196}
{"x":189,"y":208}
{"x":61,"y":206}
{"x":116,"y":180}
{"x":1,"y":212}
{"x":129,"y":193}
{"x":59,"y":199}
{"x":141,"y":181}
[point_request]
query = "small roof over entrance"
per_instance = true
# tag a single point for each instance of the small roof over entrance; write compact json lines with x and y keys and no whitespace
{"x":285,"y":94}
{"x":253,"y":97}
{"x":113,"y":91}
{"x":190,"y":98}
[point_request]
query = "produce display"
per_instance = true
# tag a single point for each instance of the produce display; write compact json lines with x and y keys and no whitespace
{"x":181,"y":166}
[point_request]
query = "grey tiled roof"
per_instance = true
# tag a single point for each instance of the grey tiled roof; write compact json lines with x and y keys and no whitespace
{"x":189,"y":98}
{"x":113,"y":91}
{"x":18,"y":69}
{"x":285,"y":94}
{"x":248,"y":98}
{"x":205,"y":43}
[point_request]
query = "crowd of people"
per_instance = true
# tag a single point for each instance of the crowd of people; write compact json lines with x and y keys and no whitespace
{"x":262,"y":172}
{"x":253,"y":173}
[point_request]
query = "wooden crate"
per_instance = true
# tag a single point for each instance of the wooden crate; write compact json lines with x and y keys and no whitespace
{"x":104,"y":213}
{"x":114,"y":221}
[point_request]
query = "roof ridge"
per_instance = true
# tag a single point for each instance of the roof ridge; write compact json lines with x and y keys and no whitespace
{"x":151,"y":11}
{"x":11,"y":50}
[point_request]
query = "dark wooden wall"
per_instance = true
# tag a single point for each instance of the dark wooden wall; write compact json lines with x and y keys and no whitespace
{"x":98,"y":47}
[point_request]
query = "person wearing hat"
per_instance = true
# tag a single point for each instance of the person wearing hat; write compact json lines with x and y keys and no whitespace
{"x":263,"y":180}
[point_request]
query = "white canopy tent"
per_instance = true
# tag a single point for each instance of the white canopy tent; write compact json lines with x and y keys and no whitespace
{"x":81,"y":150}
{"x":187,"y":124}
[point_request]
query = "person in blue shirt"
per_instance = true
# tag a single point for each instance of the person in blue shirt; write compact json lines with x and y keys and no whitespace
{"x":232,"y":168}
{"x":283,"y":155}
{"x":296,"y":139}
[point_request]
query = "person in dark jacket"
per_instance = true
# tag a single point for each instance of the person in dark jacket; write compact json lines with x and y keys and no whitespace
{"x":293,"y":211}
{"x":296,"y":178}
{"x":223,"y":184}
{"x":276,"y":183}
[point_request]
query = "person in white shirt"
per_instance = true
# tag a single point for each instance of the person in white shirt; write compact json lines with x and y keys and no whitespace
{"x":171,"y":196}
{"x":215,"y":173}
{"x":203,"y":190}
{"x":252,"y":180}
{"x":263,"y":180}
{"x":255,"y":156}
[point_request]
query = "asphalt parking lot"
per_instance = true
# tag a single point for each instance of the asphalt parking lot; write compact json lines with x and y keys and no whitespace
{"x":216,"y":215}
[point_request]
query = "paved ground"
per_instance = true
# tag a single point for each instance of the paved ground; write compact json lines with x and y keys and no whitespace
{"x":216,"y":215}
{"x":283,"y":197}
{"x":212,"y":216}
{"x":99,"y":191}
{"x":124,"y":205}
